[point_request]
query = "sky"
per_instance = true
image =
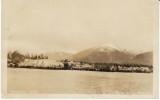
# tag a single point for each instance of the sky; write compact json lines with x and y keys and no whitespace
{"x":75,"y":25}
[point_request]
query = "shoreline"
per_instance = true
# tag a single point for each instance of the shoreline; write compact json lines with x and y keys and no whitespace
{"x":82,"y":69}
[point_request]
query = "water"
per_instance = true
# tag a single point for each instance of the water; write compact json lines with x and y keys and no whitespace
{"x":77,"y":82}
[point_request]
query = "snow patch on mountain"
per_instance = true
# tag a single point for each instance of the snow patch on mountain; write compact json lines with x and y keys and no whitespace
{"x":107,"y":48}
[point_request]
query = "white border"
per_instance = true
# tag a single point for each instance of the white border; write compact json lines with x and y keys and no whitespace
{"x":74,"y":95}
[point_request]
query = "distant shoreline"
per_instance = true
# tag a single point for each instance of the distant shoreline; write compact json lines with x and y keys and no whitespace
{"x":82,"y":69}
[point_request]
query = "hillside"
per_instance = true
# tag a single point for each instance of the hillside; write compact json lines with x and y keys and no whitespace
{"x":112,"y":54}
{"x":144,"y":58}
{"x":104,"y":54}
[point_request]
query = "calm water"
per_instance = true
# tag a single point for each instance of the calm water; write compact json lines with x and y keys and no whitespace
{"x":77,"y":82}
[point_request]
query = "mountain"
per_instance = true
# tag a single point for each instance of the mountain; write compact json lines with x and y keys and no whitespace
{"x":104,"y":54}
{"x":59,"y":55}
{"x":112,"y":54}
{"x":144,"y":58}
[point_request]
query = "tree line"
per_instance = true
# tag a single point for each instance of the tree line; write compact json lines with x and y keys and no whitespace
{"x":18,"y":56}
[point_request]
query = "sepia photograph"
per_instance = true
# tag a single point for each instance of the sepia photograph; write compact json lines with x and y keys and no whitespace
{"x":80,"y":48}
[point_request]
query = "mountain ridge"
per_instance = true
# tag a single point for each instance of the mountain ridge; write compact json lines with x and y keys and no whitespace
{"x":106,"y":54}
{"x":110,"y":54}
